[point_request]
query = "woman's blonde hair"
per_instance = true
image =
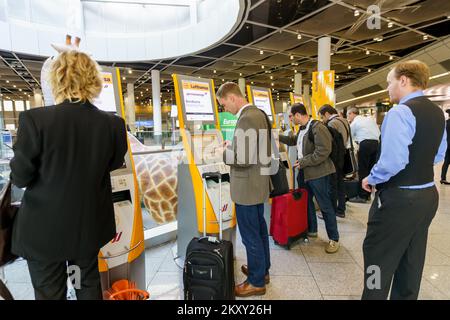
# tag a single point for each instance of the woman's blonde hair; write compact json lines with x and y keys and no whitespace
{"x":76,"y":77}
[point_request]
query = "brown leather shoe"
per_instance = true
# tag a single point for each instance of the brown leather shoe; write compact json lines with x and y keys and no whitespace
{"x":244,"y":270}
{"x":245,"y":289}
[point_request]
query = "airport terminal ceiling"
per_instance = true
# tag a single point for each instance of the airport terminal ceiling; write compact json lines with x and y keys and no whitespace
{"x":272,"y":41}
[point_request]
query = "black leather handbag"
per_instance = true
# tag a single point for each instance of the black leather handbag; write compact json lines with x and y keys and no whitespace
{"x":7,"y":214}
{"x":350,"y":166}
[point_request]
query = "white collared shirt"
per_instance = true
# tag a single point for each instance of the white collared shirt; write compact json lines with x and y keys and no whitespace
{"x":240,"y":111}
{"x":364,"y":128}
{"x":301,"y":134}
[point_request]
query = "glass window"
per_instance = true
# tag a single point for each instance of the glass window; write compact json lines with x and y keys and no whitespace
{"x":8,"y":105}
{"x":20,"y":106}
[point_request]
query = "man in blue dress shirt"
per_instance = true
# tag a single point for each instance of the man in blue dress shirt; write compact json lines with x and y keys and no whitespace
{"x":413,"y":139}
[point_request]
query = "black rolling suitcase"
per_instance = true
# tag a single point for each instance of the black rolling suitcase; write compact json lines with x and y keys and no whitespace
{"x":209,"y":266}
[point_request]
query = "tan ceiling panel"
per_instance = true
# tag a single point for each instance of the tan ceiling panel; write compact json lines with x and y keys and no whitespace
{"x":371,"y":60}
{"x":307,"y":66}
{"x":330,"y":20}
{"x":387,"y":4}
{"x":348,"y":56}
{"x":250,"y":69}
{"x":308,"y":49}
{"x":281,"y":41}
{"x":428,"y":10}
{"x":402,"y":41}
{"x":248,"y":55}
{"x":364,"y":33}
{"x":179,"y":70}
{"x":277,"y":59}
{"x":225,"y":65}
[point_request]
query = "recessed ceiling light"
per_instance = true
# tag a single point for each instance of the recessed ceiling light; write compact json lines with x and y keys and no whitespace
{"x":262,"y":67}
{"x":162,"y":81}
{"x":337,"y":77}
{"x":271,"y":77}
{"x":356,"y":13}
{"x":299,"y":36}
{"x":390,"y":25}
{"x":14,"y":86}
{"x":349,"y":67}
{"x":425,"y":37}
{"x":272,"y":84}
{"x":367,"y":52}
{"x":292,"y":57}
{"x":295,"y":71}
{"x":252,"y":82}
{"x":130,"y":71}
{"x":7,"y":81}
{"x":370,"y":70}
{"x":123,"y":78}
{"x":146,"y":89}
{"x":240,"y":74}
{"x":214,"y":71}
{"x":391,"y":58}
{"x":261,"y":52}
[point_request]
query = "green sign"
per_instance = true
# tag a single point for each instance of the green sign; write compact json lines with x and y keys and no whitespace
{"x":227,"y":125}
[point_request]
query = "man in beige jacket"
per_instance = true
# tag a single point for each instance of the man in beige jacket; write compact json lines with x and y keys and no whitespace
{"x":248,"y":157}
{"x":316,"y":168}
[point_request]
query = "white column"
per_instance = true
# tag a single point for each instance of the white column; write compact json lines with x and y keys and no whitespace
{"x":130,"y":107}
{"x":307,"y":98}
{"x":298,"y":83}
{"x":156,"y":91}
{"x":241,"y":82}
{"x":37,"y":100}
{"x":323,"y":61}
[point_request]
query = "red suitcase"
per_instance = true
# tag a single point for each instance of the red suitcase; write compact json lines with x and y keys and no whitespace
{"x":289,"y":217}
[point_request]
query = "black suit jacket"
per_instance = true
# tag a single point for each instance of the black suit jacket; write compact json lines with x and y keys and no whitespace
{"x":63,"y":156}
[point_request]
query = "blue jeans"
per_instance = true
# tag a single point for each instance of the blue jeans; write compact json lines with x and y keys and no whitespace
{"x":254,"y":234}
{"x":320,"y":188}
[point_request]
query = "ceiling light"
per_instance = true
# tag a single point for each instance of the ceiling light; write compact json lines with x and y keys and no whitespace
{"x":380,"y":39}
{"x":390,"y":25}
{"x":290,"y":86}
{"x":14,"y":86}
{"x":292,"y":79}
{"x":299,"y":36}
{"x":146,"y":89}
{"x":162,"y":81}
{"x":261,"y":52}
{"x":356,"y":13}
{"x":130,"y":71}
{"x":215,"y":71}
{"x":272,"y":84}
{"x":271,"y":77}
{"x":123,"y":78}
{"x":337,"y":77}
{"x":252,"y":82}
{"x":332,"y":54}
{"x":370,"y":70}
{"x":240,"y":74}
{"x":262,"y":67}
{"x":295,"y":71}
{"x":20,"y":89}
{"x":391,"y":58}
{"x":292,"y":57}
{"x":223,"y":80}
{"x":349,"y":67}
{"x":425,"y":37}
{"x":367,"y":52}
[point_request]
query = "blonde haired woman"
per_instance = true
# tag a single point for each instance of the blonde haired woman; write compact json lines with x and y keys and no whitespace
{"x":63,"y":156}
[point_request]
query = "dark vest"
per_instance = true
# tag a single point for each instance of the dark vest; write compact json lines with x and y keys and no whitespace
{"x":430,"y":126}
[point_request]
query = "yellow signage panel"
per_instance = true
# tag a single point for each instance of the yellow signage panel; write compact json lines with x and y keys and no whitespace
{"x":296,"y":98}
{"x":322,"y":90}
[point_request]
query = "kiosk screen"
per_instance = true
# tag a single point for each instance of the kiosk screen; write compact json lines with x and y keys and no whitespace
{"x":197,"y":101}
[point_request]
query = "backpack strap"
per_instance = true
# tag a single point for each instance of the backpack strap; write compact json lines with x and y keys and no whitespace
{"x":310,"y":133}
{"x":349,"y":132}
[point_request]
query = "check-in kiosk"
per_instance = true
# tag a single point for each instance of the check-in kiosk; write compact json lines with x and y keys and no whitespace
{"x":262,"y":99}
{"x":123,"y":257}
{"x":197,"y":107}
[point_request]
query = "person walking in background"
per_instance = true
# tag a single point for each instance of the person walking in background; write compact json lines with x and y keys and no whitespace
{"x":447,"y":154}
{"x":313,"y":143}
{"x":332,"y":119}
{"x":366,"y":134}
{"x":63,"y":156}
{"x":413,"y":139}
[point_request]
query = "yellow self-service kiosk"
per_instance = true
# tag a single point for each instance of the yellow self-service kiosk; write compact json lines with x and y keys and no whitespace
{"x":262,"y":99}
{"x":196,"y":102}
{"x":123,"y":257}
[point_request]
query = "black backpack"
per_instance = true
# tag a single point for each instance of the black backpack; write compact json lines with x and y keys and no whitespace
{"x":337,"y":144}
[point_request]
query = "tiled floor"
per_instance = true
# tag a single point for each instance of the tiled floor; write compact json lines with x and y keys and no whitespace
{"x":304,"y":272}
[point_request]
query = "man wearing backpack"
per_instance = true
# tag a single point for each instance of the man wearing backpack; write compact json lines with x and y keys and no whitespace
{"x":340,"y":131}
{"x":314,"y":145}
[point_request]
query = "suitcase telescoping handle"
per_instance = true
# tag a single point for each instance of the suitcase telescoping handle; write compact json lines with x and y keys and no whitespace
{"x":217,"y":175}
